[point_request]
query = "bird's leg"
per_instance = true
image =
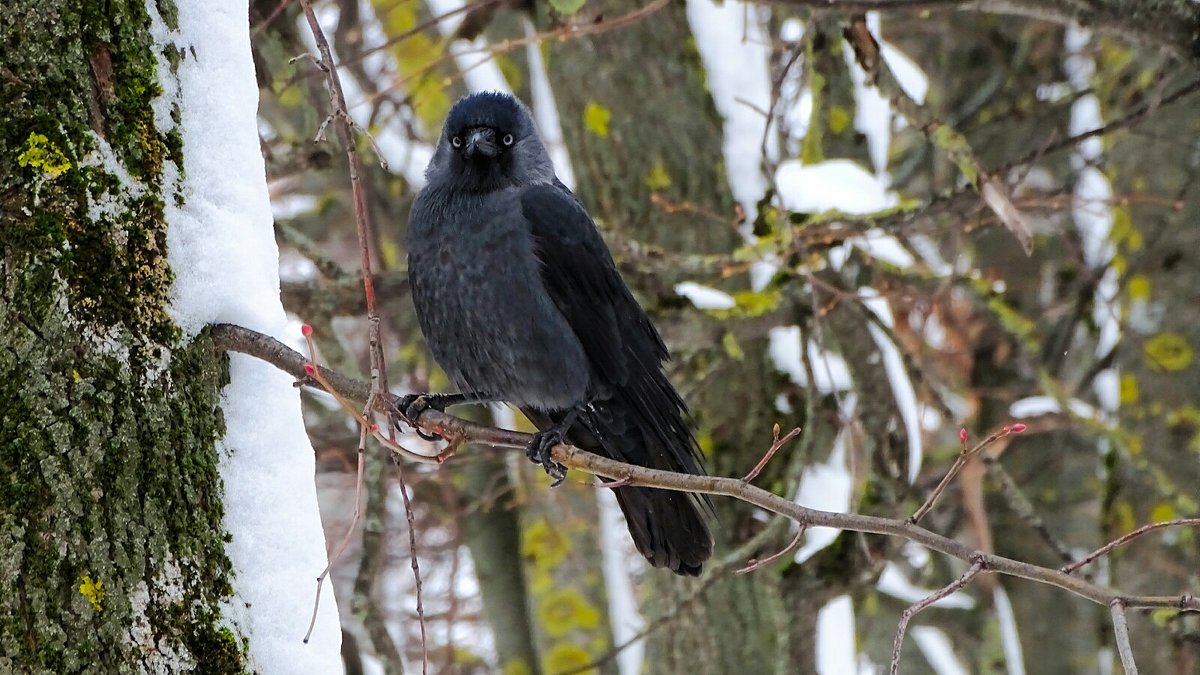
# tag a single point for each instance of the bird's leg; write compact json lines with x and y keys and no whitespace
{"x":411,"y":406}
{"x":538,"y":450}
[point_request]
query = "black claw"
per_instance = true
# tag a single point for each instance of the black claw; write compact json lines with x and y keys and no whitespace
{"x":410,"y":408}
{"x":539,"y":452}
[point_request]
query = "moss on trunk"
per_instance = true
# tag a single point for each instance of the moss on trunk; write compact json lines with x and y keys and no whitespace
{"x":111,"y":539}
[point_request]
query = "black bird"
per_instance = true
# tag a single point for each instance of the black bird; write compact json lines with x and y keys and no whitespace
{"x":520,"y":301}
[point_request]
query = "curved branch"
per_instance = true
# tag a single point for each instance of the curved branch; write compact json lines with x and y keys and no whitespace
{"x":456,"y":430}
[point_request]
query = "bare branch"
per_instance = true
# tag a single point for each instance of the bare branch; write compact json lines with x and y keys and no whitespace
{"x":914,"y":609}
{"x":454,"y":429}
{"x":775,"y":445}
{"x":1126,"y":538}
{"x":755,"y":564}
{"x":1121,"y":628}
{"x":964,"y":456}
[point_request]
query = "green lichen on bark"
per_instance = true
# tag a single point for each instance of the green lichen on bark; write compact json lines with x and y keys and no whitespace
{"x":81,"y":75}
{"x":111,"y":536}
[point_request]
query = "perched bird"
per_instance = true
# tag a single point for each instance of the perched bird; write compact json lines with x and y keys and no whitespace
{"x":520,"y":301}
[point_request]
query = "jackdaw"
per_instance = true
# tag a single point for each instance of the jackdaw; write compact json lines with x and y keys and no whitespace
{"x":520,"y":301}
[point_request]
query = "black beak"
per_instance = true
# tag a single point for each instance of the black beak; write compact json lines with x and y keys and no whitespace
{"x":480,"y":141}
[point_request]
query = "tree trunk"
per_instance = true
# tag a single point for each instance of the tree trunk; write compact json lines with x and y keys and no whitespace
{"x":642,"y":127}
{"x":111,"y":535}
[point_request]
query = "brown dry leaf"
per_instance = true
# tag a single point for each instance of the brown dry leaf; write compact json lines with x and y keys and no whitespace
{"x":995,"y":195}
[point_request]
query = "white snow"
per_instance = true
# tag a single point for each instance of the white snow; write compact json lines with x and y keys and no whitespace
{"x":736,"y":51}
{"x":705,"y":297}
{"x":827,"y":486}
{"x":908,"y":74}
{"x":893,"y":582}
{"x":617,"y":551}
{"x":545,"y":110}
{"x":938,"y":651}
{"x":1032,"y":406}
{"x":839,"y":184}
{"x":1092,"y":212}
{"x":222,"y":250}
{"x":872,"y":112}
{"x":882,"y":246}
{"x":1010,"y":640}
{"x":836,"y":647}
{"x":829,"y":369}
{"x":480,"y":71}
{"x":901,"y":384}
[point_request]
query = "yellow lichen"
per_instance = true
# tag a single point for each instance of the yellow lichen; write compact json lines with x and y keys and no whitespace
{"x":516,"y":667}
{"x":1168,"y":351}
{"x":564,"y":610}
{"x":43,"y":155}
{"x":545,"y":545}
{"x":1162,"y":513}
{"x":1139,"y":287}
{"x":567,"y":658}
{"x":658,"y":179}
{"x":596,"y":118}
{"x":94,"y":591}
{"x":1129,"y":389}
{"x":839,"y":119}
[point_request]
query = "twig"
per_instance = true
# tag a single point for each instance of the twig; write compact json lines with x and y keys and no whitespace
{"x":1121,"y":629}
{"x":1126,"y":538}
{"x":775,"y":445}
{"x":1020,"y":504}
{"x":362,"y":221}
{"x":976,"y":567}
{"x":566,"y":32}
{"x":754,"y":563}
{"x":964,"y":456}
{"x":412,"y":557}
{"x":341,"y":547}
{"x":1129,"y":119}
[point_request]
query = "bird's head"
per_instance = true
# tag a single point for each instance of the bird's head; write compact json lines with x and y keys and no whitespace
{"x":489,"y":142}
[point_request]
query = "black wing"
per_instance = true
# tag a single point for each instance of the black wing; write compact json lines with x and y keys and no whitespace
{"x":624,"y":349}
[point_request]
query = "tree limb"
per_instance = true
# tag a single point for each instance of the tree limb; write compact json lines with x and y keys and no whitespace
{"x":235,"y":338}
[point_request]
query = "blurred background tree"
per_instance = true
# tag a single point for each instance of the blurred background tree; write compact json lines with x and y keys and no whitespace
{"x":825,"y":235}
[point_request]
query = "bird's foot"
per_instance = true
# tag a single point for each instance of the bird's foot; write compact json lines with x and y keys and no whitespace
{"x":539,"y":452}
{"x":411,"y":406}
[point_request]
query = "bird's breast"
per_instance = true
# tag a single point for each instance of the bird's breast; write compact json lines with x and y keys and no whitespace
{"x":487,"y":318}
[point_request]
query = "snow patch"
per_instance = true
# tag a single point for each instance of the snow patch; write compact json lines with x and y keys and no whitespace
{"x":705,"y":297}
{"x":221,"y":247}
{"x":839,"y":184}
{"x":938,"y":651}
{"x":736,"y":52}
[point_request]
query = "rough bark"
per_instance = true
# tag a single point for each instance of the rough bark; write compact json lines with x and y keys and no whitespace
{"x":661,"y":134}
{"x":111,"y":541}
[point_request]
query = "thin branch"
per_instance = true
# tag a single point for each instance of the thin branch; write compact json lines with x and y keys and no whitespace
{"x":1020,"y":504}
{"x":775,"y":445}
{"x":914,"y":609}
{"x":755,"y":564}
{"x":362,"y":220}
{"x":1121,"y":629}
{"x":1125,"y":539}
{"x":412,"y":557}
{"x":1129,"y":119}
{"x":964,"y":456}
{"x":1166,"y":26}
{"x":341,"y":547}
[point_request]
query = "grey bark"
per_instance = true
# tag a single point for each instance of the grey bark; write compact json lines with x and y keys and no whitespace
{"x":111,"y":540}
